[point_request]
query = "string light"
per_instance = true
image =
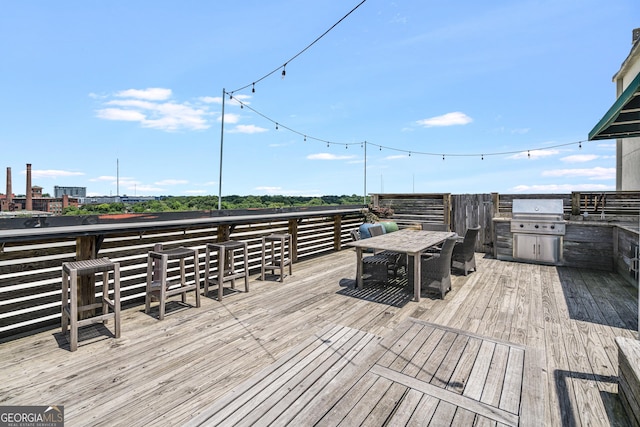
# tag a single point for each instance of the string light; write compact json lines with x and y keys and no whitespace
{"x":284,"y":72}
{"x":380,"y":147}
{"x":301,"y":52}
{"x":253,"y":87}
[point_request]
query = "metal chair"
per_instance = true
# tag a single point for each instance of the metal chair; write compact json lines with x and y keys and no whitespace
{"x":463,"y":256}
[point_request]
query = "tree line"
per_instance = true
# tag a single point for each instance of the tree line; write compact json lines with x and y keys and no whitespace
{"x":201,"y":203}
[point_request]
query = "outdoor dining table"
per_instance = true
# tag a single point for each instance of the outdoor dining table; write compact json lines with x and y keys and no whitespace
{"x":408,"y":241}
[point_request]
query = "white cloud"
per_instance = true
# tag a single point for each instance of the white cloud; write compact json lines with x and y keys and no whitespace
{"x":122,"y":115}
{"x":103,"y":178}
{"x":597,"y":173}
{"x":562,"y":188}
{"x":142,"y":189}
{"x":151,"y":94}
{"x":396,"y":157}
{"x":607,"y":145}
{"x":52,"y":173}
{"x":230,"y":118}
{"x":247,"y":129}
{"x":280,"y":191}
{"x":328,"y":156}
{"x":269,"y":190}
{"x":579,"y":158}
{"x":449,"y":119}
{"x":534,"y":154}
{"x":152,"y":109}
{"x":172,"y":182}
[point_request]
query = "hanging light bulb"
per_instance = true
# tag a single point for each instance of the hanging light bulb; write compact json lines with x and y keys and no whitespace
{"x":327,"y":145}
{"x":241,"y":106}
{"x":284,"y":72}
{"x":230,"y":96}
{"x":528,"y":154}
{"x":580,"y":145}
{"x":361,"y":144}
{"x":253,"y":87}
{"x":482,"y":157}
{"x":409,"y":153}
{"x":305,"y":138}
{"x":380,"y":147}
{"x":443,"y":157}
{"x":346,"y":146}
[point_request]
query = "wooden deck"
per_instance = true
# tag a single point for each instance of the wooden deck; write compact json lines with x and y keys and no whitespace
{"x":512,"y":344}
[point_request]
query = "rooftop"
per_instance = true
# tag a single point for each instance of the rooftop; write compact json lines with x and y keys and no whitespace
{"x":512,"y":343}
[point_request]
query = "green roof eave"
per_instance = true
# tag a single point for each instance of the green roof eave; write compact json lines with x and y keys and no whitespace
{"x":623,"y":118}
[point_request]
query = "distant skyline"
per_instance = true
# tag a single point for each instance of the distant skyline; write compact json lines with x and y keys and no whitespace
{"x":88,"y":86}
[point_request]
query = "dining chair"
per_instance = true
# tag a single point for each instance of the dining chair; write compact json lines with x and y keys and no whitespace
{"x":436,"y":269}
{"x":463,"y":256}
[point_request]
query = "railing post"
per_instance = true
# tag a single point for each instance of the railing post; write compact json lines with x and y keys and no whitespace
{"x":293,"y":230}
{"x":575,"y":203}
{"x":446,"y":209}
{"x":86,"y":249}
{"x":337,"y":232}
{"x":223,"y":233}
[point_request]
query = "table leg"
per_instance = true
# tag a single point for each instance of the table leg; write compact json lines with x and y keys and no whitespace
{"x":359,"y":268}
{"x":416,"y":276}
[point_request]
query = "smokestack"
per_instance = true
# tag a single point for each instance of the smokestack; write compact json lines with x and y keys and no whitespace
{"x":29,"y":204}
{"x":9,"y":197}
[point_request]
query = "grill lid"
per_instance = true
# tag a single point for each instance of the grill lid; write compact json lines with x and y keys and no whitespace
{"x":537,"y":207}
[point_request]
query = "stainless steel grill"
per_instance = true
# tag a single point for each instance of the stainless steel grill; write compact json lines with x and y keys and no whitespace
{"x":538,"y":216}
{"x":538,"y":228}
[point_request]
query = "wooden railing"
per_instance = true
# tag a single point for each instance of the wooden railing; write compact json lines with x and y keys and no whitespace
{"x":31,"y":258}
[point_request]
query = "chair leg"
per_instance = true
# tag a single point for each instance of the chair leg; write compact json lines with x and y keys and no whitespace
{"x":196,"y":276}
{"x":116,"y":298}
{"x":74,"y":311}
{"x":147,"y":297}
{"x":163,"y":285}
{"x":65,"y":301}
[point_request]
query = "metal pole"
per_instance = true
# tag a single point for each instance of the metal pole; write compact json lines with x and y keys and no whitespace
{"x":221,"y":145}
{"x":364,"y":197}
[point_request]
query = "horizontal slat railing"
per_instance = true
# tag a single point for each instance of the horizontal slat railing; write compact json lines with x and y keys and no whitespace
{"x":30,"y":270}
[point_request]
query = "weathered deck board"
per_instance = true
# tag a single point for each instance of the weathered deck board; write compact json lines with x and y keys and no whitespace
{"x":171,"y":371}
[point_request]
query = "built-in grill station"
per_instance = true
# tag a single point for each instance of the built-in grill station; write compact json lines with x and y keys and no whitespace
{"x":538,"y":227}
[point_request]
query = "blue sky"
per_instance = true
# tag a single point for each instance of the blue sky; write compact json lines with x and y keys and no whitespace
{"x":87,"y":86}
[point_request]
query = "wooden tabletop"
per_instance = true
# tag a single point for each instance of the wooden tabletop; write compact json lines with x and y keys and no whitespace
{"x":407,"y":240}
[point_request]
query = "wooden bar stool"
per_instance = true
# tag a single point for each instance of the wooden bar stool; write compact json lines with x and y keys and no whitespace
{"x":278,"y":257}
{"x":226,"y":270}
{"x":158,"y":285}
{"x":70,"y":308}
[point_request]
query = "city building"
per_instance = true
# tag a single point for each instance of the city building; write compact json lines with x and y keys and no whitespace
{"x":622,"y":121}
{"x":69,"y":191}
